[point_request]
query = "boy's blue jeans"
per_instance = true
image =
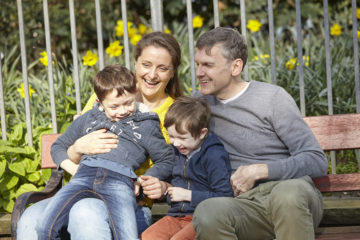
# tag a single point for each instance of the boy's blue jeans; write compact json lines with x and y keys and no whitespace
{"x":115,"y":190}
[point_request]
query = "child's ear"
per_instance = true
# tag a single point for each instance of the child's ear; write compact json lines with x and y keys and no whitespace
{"x":203,"y":133}
{"x":97,"y":100}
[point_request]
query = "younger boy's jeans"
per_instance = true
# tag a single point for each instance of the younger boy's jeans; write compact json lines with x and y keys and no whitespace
{"x":116,"y":191}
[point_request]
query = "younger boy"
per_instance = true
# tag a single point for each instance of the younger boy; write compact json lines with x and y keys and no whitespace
{"x":201,"y":170}
{"x":109,"y":176}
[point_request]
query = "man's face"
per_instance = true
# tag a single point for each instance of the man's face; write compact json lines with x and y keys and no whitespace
{"x":213,"y":72}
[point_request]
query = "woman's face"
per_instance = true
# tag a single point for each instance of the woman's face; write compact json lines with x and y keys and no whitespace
{"x":154,"y":69}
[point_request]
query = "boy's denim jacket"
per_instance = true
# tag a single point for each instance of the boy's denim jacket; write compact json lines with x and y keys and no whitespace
{"x":139,"y":137}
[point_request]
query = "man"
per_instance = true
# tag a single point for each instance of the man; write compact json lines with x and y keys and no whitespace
{"x":273,"y":152}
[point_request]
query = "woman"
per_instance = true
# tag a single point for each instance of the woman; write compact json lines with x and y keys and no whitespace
{"x":157,"y":57}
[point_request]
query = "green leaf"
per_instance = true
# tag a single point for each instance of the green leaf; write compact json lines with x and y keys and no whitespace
{"x":2,"y":165}
{"x":8,"y":205}
{"x":30,"y":151}
{"x":17,"y":134}
{"x":4,"y":143}
{"x":11,"y":194}
{"x":27,"y":187}
{"x":31,"y":165}
{"x":27,"y":150}
{"x":33,"y":177}
{"x":8,"y":182}
{"x":64,"y":127}
{"x":18,"y":167}
{"x":45,"y":174}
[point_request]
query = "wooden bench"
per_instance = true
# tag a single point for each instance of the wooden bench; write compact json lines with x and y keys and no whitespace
{"x":338,"y":132}
{"x":335,"y":132}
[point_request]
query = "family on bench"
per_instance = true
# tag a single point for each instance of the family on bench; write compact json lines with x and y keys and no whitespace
{"x":260,"y":187}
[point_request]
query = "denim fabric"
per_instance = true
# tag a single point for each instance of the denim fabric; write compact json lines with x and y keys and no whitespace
{"x":117,"y":192}
{"x":89,"y":213}
{"x":92,"y":216}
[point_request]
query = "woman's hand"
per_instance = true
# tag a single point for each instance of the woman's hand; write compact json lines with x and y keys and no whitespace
{"x":178,"y":194}
{"x":153,"y":187}
{"x":96,"y":142}
{"x":69,"y":166}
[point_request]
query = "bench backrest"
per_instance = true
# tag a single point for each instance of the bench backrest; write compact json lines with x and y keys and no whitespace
{"x":337,"y":132}
{"x":46,"y":141}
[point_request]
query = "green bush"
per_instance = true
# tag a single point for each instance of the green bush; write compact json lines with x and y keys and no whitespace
{"x":19,"y":166}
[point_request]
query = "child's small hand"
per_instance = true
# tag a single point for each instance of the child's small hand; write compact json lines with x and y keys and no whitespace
{"x":136,"y":188}
{"x":178,"y":194}
{"x":151,"y":187}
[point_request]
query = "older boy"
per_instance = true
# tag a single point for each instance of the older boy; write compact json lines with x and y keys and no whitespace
{"x":109,"y":176}
{"x":202,"y":169}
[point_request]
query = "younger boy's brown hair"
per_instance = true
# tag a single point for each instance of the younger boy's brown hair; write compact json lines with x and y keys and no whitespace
{"x":188,"y":114}
{"x":114,"y":77}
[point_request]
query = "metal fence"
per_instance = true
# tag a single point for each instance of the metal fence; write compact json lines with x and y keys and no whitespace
{"x":157,"y":23}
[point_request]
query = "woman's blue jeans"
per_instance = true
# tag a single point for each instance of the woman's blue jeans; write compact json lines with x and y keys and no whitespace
{"x":88,"y":219}
{"x":115,"y":190}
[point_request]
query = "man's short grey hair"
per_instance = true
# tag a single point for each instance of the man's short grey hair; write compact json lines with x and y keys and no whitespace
{"x":233,"y":44}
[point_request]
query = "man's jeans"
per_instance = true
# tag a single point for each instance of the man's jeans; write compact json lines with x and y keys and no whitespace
{"x":116,"y":190}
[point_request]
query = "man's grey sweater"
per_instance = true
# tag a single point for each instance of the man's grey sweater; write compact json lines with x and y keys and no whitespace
{"x":264,"y":125}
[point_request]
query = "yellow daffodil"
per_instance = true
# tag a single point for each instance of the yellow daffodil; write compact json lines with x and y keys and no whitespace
{"x":358,"y":34}
{"x":262,"y":57}
{"x":120,"y":28}
{"x":306,"y":60}
{"x":198,"y":21}
{"x":254,"y":25}
{"x":44,"y":59}
{"x":335,"y":30}
{"x":166,"y":30}
{"x":358,"y":13}
{"x":142,"y":29}
{"x":132,"y":32}
{"x":135,"y":39}
{"x":21,"y":90}
{"x":114,"y":49}
{"x":197,"y":88}
{"x":90,"y":59}
{"x":291,"y":63}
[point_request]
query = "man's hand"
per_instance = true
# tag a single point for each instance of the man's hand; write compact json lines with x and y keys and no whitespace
{"x":153,"y":187}
{"x":178,"y":194}
{"x":96,"y":142}
{"x":244,"y":177}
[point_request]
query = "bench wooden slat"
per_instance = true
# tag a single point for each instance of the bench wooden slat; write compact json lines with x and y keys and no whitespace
{"x":336,"y":132}
{"x":338,"y":182}
{"x":332,"y":233}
